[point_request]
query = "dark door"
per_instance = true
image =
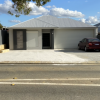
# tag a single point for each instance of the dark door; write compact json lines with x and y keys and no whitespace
{"x":19,"y":39}
{"x":46,"y":40}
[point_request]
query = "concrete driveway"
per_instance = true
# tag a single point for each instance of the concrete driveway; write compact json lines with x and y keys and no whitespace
{"x":50,"y":56}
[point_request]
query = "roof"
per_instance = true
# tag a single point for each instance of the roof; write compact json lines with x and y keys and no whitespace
{"x":52,"y":22}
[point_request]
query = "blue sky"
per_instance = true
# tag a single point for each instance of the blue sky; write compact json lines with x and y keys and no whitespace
{"x":87,"y":11}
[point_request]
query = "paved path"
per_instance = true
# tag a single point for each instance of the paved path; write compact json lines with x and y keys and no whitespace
{"x":50,"y":56}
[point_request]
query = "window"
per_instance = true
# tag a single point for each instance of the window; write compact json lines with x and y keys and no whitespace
{"x":94,"y":40}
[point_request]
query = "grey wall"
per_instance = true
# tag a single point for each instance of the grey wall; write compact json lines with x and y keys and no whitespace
{"x":0,"y":38}
{"x":11,"y":39}
{"x":39,"y":39}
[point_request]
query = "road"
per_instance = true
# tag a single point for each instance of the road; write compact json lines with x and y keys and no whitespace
{"x":41,"y":92}
{"x":49,"y":71}
{"x":50,"y":82}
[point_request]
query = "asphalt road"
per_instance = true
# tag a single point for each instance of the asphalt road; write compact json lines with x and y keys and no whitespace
{"x":49,"y":71}
{"x":48,"y":91}
{"x":41,"y":92}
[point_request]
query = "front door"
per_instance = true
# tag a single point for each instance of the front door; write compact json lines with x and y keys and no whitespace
{"x":46,"y":40}
{"x":19,"y":39}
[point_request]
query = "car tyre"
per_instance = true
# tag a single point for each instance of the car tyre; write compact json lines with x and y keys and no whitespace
{"x":85,"y":49}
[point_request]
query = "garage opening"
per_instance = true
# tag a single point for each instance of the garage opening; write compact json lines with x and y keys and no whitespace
{"x":46,"y":40}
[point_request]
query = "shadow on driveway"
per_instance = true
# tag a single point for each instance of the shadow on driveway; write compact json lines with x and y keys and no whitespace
{"x":76,"y":51}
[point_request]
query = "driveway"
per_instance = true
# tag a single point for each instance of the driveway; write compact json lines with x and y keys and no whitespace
{"x":91,"y":55}
{"x":49,"y":56}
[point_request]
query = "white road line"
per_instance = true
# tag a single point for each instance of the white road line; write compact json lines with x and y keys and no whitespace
{"x":60,"y":84}
{"x":50,"y":79}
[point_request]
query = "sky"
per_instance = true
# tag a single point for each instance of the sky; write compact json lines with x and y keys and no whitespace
{"x":86,"y":11}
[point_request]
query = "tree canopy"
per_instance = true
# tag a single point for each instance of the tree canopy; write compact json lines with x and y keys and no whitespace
{"x":1,"y":26}
{"x":21,"y":6}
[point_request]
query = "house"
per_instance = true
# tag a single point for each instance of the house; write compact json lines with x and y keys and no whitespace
{"x":49,"y":32}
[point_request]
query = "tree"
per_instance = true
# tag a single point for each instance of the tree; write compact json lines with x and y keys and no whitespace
{"x":22,"y":6}
{"x":1,"y":26}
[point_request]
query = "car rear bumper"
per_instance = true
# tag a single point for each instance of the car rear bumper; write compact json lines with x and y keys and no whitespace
{"x":93,"y":48}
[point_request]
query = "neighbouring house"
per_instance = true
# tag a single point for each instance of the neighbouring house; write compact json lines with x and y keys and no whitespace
{"x":98,"y":25}
{"x":49,"y":32}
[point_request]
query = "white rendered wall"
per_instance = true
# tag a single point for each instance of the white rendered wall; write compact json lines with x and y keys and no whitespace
{"x":34,"y":39}
{"x":69,"y":38}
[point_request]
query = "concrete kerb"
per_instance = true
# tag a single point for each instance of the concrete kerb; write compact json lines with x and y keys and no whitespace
{"x":52,"y":63}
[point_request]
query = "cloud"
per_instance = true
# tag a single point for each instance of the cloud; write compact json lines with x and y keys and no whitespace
{"x":5,"y":7}
{"x":83,"y":20}
{"x":37,"y":10}
{"x":15,"y":21}
{"x":98,"y":12}
{"x":60,"y":12}
{"x":51,"y":6}
{"x":90,"y":20}
{"x":54,"y":11}
{"x":48,"y":6}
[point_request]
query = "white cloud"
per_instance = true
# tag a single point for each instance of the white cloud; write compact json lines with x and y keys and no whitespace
{"x":91,"y":20}
{"x":51,"y":6}
{"x":86,"y":1}
{"x":37,"y":10}
{"x":60,"y":12}
{"x":98,"y":12}
{"x":5,"y":7}
{"x":54,"y":11}
{"x":48,"y":6}
{"x":15,"y":21}
{"x":83,"y":20}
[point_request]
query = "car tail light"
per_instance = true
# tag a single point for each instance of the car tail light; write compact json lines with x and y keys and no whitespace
{"x":90,"y":44}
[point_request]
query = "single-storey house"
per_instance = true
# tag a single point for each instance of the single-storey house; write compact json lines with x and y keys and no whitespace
{"x":49,"y":32}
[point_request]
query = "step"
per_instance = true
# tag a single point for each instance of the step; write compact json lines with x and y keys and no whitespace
{"x":4,"y":51}
{"x":2,"y":47}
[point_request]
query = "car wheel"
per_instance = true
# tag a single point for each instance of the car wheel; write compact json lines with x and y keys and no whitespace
{"x":85,"y":49}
